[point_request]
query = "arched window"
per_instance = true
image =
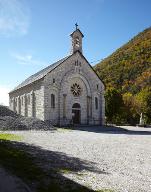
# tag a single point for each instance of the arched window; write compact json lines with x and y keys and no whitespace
{"x":52,"y":101}
{"x":97,"y":86}
{"x":28,"y":100}
{"x":96,"y":103}
{"x":22,"y":100}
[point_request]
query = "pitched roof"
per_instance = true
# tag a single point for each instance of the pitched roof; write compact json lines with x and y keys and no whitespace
{"x":75,"y":31}
{"x":39,"y":75}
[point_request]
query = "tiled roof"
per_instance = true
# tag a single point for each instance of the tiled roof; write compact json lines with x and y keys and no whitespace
{"x":39,"y":75}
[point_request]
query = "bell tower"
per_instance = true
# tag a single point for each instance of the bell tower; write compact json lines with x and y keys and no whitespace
{"x":76,"y":37}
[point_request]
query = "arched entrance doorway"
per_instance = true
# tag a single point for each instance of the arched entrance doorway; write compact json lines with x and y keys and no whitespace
{"x":76,"y":113}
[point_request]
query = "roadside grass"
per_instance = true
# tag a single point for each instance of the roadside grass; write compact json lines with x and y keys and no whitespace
{"x":11,"y":137}
{"x":65,"y":171}
{"x":105,"y":190}
{"x":20,"y":163}
{"x":64,"y":129}
{"x":23,"y":165}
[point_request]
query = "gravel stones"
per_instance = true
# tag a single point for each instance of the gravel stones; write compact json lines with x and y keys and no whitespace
{"x":9,"y":120}
{"x":122,"y":162}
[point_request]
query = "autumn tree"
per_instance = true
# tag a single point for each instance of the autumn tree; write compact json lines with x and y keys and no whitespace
{"x":114,"y":104}
{"x":131,"y":116}
{"x":143,"y":103}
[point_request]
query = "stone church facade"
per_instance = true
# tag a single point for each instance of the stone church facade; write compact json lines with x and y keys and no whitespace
{"x":68,"y":91}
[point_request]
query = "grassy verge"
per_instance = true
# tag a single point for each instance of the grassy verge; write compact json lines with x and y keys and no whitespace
{"x":12,"y":137}
{"x":105,"y":190}
{"x":63,"y":130}
{"x":22,"y":164}
{"x":19,"y":163}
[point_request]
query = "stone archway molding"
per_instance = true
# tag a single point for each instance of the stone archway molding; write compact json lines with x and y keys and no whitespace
{"x":83,"y":79}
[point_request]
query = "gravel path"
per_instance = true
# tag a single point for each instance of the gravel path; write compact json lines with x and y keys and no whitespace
{"x":123,"y":161}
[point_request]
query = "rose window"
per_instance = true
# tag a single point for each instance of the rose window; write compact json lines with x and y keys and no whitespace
{"x":76,"y":89}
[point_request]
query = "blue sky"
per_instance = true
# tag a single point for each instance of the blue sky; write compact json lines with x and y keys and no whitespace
{"x":35,"y":33}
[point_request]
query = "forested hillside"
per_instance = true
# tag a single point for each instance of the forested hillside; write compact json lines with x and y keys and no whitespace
{"x":128,"y":72}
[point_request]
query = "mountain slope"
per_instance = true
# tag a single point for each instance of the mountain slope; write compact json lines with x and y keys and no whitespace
{"x":129,"y":68}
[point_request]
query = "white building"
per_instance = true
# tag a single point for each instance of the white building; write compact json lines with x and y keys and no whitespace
{"x":68,"y":91}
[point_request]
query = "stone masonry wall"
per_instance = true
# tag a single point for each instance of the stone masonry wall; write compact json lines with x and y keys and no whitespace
{"x":29,"y":100}
{"x":74,"y":69}
{"x":34,"y":100}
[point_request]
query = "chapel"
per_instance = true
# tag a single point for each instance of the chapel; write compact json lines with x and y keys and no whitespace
{"x":66,"y":92}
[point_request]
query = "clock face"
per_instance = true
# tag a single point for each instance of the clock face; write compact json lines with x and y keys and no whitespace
{"x":76,"y":90}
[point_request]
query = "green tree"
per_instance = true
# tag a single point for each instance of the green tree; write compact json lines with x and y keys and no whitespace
{"x":143,"y":103}
{"x":114,"y":104}
{"x":131,"y":117}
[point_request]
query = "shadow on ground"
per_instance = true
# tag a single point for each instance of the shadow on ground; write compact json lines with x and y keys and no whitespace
{"x":42,"y":170}
{"x":111,"y":130}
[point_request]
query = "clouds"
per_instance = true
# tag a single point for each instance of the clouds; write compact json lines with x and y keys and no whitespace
{"x":4,"y":97}
{"x":27,"y":59}
{"x":14,"y":17}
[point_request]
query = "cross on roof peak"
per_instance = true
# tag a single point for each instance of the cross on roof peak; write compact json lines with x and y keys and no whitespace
{"x":76,"y":26}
